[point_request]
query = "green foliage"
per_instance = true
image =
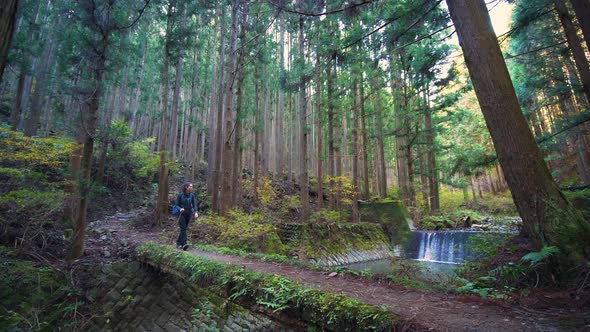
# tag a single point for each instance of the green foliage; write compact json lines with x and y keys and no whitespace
{"x":240,"y":231}
{"x":289,"y":205}
{"x":275,"y":293}
{"x":26,"y":202}
{"x":330,"y":216}
{"x":266,"y":194}
{"x":12,"y":178}
{"x":145,"y":163}
{"x":536,"y":258}
{"x":433,"y":223}
{"x":451,"y":220}
{"x":342,"y":188}
{"x":129,"y":163}
{"x":483,"y":286}
{"x":480,"y":248}
{"x":34,"y":298}
{"x":48,"y":156}
{"x":491,"y":204}
{"x":506,"y":278}
{"x":31,"y":176}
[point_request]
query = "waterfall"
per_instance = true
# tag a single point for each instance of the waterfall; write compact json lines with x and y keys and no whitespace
{"x":443,"y":246}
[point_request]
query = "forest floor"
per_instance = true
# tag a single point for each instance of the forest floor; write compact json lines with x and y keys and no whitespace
{"x":114,"y":238}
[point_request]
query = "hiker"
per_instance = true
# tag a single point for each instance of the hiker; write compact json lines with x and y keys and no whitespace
{"x":188,"y":208}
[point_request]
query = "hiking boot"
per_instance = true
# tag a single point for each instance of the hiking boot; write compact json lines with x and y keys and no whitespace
{"x":179,"y":247}
{"x":185,"y":247}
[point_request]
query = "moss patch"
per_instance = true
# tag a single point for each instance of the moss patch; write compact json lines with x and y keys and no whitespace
{"x":330,"y":311}
{"x":329,"y":239}
{"x":392,"y":215}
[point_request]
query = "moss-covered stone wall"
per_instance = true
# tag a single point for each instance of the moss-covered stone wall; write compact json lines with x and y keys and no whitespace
{"x":315,"y":309}
{"x":137,"y":297}
{"x":332,"y":244}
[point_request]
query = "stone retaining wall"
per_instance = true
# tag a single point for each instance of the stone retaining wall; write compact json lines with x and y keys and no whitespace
{"x":337,"y":244}
{"x":135,"y":297}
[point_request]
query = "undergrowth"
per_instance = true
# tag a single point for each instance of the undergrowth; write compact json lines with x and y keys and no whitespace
{"x":35,"y":298}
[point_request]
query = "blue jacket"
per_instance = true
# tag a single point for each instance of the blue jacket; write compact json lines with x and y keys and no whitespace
{"x":187,"y":202}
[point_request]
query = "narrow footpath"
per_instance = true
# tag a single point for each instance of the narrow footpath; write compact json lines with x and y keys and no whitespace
{"x":420,"y":310}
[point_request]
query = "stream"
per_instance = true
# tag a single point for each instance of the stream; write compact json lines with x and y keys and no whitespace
{"x":439,"y":252}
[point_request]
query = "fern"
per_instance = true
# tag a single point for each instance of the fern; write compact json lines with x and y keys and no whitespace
{"x":535,"y":258}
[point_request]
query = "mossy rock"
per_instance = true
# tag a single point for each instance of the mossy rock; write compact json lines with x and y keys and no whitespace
{"x":392,"y":215}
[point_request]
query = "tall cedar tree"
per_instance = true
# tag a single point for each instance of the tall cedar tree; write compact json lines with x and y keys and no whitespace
{"x":549,"y":219}
{"x":7,"y":20}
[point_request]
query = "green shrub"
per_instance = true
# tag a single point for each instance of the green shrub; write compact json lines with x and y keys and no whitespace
{"x":433,"y":223}
{"x":13,"y":178}
{"x":145,"y":163}
{"x":48,"y":156}
{"x":459,"y":216}
{"x":330,"y":216}
{"x":450,"y":200}
{"x":25,"y":203}
{"x":239,"y":231}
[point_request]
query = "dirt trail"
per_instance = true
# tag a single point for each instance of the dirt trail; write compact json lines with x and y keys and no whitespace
{"x":418,"y":309}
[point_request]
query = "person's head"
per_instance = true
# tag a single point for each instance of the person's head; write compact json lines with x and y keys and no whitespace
{"x":187,"y":187}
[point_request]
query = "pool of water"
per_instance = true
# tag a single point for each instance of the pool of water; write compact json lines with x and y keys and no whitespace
{"x":428,"y":268}
{"x":435,"y":252}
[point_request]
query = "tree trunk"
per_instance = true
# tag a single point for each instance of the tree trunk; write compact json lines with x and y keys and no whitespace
{"x":71,"y":186}
{"x":216,"y":201}
{"x":211,"y":186}
{"x":491,"y":183}
{"x":281,"y":104}
{"x":331,"y":138}
{"x":400,"y":137}
{"x":34,"y":119}
{"x":173,"y":139}
{"x":363,"y":146}
{"x":303,"y":172}
{"x":548,"y":218}
{"x":582,"y":10}
{"x":354,"y":148}
{"x":320,"y":200}
{"x":7,"y":20}
{"x":23,"y":86}
{"x":410,"y":167}
{"x":575,"y":46}
{"x":228,"y":181}
{"x":106,"y":140}
{"x":89,"y":123}
{"x":431,"y":157}
{"x":163,"y":189}
{"x":237,"y":156}
{"x":16,"y":111}
{"x":473,"y":190}
{"x":381,"y":169}
{"x":256,"y":134}
{"x":134,"y":102}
